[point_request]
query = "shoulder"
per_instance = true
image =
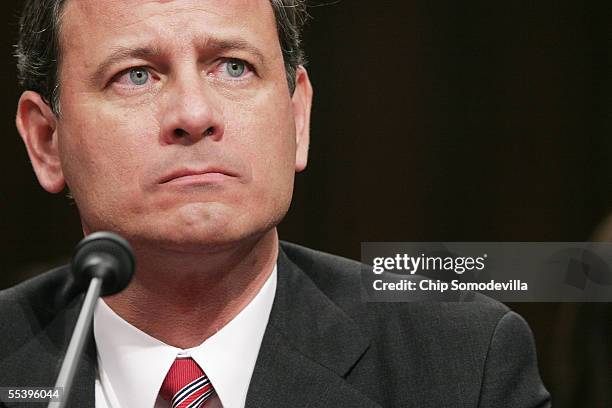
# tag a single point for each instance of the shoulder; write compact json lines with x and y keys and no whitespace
{"x":37,"y":288}
{"x":464,"y":343}
{"x":339,"y":279}
{"x":28,"y":307}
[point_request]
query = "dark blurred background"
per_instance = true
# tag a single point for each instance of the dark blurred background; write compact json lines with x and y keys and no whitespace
{"x":433,"y":121}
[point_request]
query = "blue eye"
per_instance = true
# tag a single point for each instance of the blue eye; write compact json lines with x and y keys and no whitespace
{"x":235,"y":68}
{"x":139,"y":76}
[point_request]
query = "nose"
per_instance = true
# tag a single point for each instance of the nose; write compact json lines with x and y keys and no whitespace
{"x":191,"y":114}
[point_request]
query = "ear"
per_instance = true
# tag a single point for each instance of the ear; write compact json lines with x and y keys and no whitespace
{"x":302,"y":102}
{"x":37,"y":125}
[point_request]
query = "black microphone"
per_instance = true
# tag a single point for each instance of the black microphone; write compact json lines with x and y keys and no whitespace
{"x":104,"y":255}
{"x":103,"y":264}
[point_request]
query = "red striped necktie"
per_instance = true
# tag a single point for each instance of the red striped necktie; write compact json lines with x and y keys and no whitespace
{"x":186,"y":385}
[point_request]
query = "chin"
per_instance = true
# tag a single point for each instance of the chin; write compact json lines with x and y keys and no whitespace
{"x":208,"y":236}
{"x":197,"y":227}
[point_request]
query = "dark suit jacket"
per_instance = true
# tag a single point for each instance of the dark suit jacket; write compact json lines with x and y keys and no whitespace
{"x":323,"y":346}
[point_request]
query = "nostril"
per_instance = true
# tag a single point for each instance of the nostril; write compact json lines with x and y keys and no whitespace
{"x":180,"y":132}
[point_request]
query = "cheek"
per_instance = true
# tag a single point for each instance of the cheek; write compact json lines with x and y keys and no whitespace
{"x":102,"y":155}
{"x":271,"y":152}
{"x":268,"y":134}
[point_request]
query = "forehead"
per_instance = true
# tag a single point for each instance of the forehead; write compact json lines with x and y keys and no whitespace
{"x":94,"y":24}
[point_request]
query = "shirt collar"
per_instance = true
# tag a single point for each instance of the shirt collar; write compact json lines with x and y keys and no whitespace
{"x":132,"y":365}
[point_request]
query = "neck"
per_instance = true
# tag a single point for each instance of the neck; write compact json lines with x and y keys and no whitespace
{"x":182,"y":299}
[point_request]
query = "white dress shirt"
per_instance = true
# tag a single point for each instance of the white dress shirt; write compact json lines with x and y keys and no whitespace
{"x":132,"y":365}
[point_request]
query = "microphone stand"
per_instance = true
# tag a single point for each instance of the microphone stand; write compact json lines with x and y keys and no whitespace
{"x":104,"y":264}
{"x":77,"y":342}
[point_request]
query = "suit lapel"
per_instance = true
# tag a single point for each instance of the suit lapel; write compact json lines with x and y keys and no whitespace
{"x":309,"y":346}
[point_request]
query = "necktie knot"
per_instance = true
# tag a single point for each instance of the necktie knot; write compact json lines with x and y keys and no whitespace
{"x":186,"y":385}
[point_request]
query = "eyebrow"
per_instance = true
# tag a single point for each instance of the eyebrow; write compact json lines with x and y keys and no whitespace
{"x":122,"y":53}
{"x":154,"y":51}
{"x":231,"y":44}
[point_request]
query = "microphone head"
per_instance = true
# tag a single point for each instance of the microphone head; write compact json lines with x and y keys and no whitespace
{"x":105,"y":255}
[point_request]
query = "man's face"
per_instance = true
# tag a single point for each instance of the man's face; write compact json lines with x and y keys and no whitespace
{"x":177,"y":125}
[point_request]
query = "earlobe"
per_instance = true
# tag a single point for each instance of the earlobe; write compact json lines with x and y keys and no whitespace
{"x":37,"y":126}
{"x":302,"y":102}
